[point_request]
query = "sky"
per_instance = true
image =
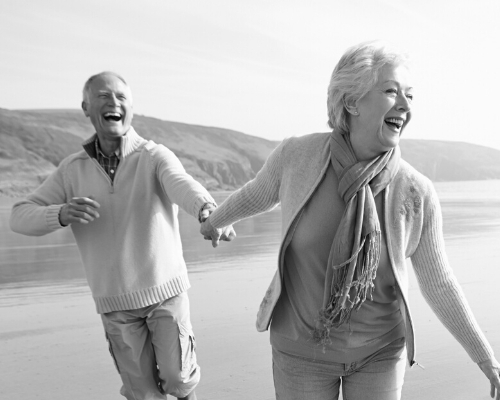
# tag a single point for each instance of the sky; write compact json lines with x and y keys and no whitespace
{"x":256,"y":66}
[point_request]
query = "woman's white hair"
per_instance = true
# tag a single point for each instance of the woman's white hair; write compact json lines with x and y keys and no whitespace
{"x":355,"y":75}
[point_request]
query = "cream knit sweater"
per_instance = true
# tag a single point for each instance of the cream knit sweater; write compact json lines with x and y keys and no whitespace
{"x":413,"y":224}
{"x":132,"y":254}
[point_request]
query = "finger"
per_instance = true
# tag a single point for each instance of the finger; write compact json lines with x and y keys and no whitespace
{"x":229,"y":234}
{"x":215,"y":240}
{"x":86,"y":209}
{"x":495,"y":385}
{"x":74,"y":219}
{"x":86,"y":201}
{"x":204,"y":215}
{"x":80,"y":216}
{"x":232,"y":235}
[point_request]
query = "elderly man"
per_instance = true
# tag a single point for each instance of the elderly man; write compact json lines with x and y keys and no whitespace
{"x":120,"y":196}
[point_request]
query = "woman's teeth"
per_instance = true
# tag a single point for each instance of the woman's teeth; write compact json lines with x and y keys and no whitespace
{"x":398,"y":123}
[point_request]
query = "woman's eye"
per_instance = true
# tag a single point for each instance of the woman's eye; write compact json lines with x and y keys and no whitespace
{"x":392,"y":91}
{"x":409,"y":96}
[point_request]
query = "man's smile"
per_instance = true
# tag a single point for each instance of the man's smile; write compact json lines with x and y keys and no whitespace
{"x":112,"y":116}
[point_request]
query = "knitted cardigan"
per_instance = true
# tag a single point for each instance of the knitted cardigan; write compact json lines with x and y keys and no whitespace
{"x":132,"y":253}
{"x":413,"y":224}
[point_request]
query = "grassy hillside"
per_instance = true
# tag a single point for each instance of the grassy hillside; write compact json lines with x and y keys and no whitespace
{"x":32,"y":143}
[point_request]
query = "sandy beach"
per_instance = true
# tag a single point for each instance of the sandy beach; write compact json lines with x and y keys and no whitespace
{"x":52,"y":344}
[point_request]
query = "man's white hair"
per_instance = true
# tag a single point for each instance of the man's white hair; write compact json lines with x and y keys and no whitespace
{"x":86,"y":87}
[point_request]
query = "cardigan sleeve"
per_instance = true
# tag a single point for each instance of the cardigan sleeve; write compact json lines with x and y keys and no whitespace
{"x":180,"y":187}
{"x":38,"y":214}
{"x":259,"y":195}
{"x":440,"y":287}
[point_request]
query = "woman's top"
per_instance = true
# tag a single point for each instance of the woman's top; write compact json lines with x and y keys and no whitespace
{"x":377,"y":323}
{"x":413,"y":225}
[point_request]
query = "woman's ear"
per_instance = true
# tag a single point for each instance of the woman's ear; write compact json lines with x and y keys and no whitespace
{"x":351,"y":107}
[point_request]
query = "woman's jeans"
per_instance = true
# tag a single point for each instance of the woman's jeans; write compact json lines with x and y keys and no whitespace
{"x":376,"y":377}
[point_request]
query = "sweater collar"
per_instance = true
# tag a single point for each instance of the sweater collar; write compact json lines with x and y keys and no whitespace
{"x":129,"y":143}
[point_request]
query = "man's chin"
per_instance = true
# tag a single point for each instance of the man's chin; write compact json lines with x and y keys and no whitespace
{"x":115,"y":132}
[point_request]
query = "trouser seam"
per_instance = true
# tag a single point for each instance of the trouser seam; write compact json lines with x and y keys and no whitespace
{"x":122,"y":372}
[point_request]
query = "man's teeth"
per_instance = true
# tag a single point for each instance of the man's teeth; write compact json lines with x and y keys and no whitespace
{"x":113,"y":116}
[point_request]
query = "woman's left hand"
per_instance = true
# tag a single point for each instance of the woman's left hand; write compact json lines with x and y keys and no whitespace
{"x":215,"y":234}
{"x":491,"y":368}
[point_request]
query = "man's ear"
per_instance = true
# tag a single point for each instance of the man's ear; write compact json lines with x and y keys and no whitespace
{"x":84,"y":108}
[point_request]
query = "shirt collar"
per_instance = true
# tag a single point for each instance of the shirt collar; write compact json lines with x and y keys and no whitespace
{"x":99,"y":151}
{"x":130,"y":142}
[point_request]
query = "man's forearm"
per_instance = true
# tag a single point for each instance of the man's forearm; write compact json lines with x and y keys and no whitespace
{"x":32,"y":219}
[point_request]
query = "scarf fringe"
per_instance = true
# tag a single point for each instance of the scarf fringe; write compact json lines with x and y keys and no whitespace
{"x":349,"y":295}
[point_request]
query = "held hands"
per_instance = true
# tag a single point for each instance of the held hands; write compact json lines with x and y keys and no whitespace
{"x":491,"y":368}
{"x":215,"y":234}
{"x":80,"y":210}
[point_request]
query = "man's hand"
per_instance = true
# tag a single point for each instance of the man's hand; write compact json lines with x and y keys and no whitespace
{"x":81,"y":210}
{"x":491,"y":368}
{"x":215,"y":234}
{"x":205,"y":212}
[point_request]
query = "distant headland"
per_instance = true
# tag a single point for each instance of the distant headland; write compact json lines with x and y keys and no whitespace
{"x":33,"y":142}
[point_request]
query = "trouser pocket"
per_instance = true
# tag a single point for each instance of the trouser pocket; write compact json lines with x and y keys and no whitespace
{"x":110,"y":346}
{"x":188,"y":348}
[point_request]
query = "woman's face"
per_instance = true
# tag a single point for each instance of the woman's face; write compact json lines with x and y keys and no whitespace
{"x":382,"y":113}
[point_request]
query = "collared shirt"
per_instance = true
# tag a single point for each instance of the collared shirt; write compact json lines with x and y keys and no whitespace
{"x":108,"y":163}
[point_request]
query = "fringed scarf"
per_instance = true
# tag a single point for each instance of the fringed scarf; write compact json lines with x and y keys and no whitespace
{"x":355,"y":252}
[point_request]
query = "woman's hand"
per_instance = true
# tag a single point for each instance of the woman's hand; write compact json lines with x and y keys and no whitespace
{"x":491,"y":368}
{"x":215,"y":234}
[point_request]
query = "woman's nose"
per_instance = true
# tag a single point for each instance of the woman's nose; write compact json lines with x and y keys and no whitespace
{"x":403,"y":103}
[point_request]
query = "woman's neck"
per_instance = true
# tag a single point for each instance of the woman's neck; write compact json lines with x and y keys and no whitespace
{"x":360,"y":148}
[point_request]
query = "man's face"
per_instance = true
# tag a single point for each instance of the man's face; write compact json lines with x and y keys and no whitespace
{"x":109,"y":107}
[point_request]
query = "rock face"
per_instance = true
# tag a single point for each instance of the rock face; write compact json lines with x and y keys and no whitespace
{"x":32,"y":143}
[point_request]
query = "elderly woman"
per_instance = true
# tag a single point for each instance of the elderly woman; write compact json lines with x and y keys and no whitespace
{"x":352,"y":212}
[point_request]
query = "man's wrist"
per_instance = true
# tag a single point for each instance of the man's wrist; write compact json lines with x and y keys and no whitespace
{"x":59,"y":217}
{"x":206,"y":206}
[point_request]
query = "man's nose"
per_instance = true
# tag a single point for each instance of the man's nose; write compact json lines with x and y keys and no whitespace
{"x":113,"y":99}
